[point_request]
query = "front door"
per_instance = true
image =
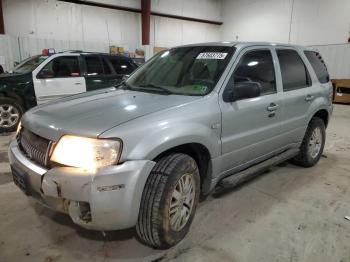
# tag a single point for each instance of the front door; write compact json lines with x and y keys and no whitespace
{"x":251,"y":128}
{"x":59,"y":77}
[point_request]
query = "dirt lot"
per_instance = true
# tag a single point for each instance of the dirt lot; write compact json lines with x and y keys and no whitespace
{"x":288,"y":214}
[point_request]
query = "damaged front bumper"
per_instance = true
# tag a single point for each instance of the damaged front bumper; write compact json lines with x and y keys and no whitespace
{"x":106,"y":199}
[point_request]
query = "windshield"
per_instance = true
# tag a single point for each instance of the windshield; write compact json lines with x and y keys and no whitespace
{"x":29,"y":64}
{"x":191,"y":70}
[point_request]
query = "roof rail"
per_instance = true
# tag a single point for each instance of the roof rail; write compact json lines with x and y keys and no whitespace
{"x":73,"y":51}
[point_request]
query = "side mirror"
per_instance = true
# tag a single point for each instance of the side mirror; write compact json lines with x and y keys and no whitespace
{"x":45,"y":73}
{"x":242,"y":90}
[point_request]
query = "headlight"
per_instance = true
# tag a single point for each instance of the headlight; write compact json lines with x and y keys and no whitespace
{"x":86,"y":152}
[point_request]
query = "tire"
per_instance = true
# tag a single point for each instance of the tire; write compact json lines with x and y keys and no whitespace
{"x":156,"y":227}
{"x":306,"y":157}
{"x":10,"y":114}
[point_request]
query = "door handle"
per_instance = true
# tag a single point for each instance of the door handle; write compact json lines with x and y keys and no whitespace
{"x":309,"y":98}
{"x":272,"y":107}
{"x":77,"y":83}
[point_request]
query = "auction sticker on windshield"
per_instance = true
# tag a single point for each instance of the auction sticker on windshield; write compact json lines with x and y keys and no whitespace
{"x":212,"y":55}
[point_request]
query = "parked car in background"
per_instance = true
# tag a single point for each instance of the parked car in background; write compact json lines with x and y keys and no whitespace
{"x":139,"y":60}
{"x":190,"y":119}
{"x":42,"y":78}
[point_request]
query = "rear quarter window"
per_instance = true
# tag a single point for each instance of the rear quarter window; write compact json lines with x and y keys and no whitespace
{"x":318,"y":65}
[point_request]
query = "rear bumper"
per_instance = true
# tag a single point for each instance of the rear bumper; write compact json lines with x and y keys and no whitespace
{"x":106,"y":199}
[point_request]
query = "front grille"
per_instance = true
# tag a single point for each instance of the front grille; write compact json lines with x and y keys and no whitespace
{"x":36,"y":148}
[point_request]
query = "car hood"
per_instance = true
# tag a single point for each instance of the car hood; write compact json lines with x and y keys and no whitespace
{"x":90,"y":114}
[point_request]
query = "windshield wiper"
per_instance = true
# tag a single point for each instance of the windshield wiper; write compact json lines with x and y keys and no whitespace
{"x":143,"y":88}
{"x":162,"y":89}
{"x":123,"y":85}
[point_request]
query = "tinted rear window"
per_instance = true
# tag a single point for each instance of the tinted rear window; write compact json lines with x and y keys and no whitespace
{"x":293,"y":69}
{"x":106,"y":68}
{"x":318,"y":65}
{"x":93,"y":65}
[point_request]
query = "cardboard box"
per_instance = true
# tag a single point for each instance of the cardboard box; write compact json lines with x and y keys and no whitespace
{"x":140,"y":53}
{"x":158,"y":49}
{"x":116,"y":50}
{"x":341,"y":90}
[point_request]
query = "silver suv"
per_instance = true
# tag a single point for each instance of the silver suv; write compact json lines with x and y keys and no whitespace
{"x":192,"y":119}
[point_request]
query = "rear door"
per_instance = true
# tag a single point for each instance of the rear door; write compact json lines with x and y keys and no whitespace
{"x":251,"y":128}
{"x":98,"y":72}
{"x":57,"y":77}
{"x":298,"y":93}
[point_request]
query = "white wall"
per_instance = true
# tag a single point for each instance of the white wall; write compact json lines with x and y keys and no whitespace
{"x":203,"y":9}
{"x":32,"y":25}
{"x":314,"y":22}
{"x":325,"y":23}
{"x":8,"y":54}
{"x":337,"y":58}
{"x":167,"y":32}
{"x":50,"y":19}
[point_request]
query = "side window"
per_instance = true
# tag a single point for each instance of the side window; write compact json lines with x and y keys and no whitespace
{"x":257,"y":66}
{"x":318,"y":65}
{"x":106,"y":68}
{"x":293,"y":70}
{"x":93,"y":65}
{"x":122,"y":66}
{"x":63,"y":66}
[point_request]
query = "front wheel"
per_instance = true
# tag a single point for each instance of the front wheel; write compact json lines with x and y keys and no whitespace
{"x":313,"y":143}
{"x":10,"y":114}
{"x":169,"y":201}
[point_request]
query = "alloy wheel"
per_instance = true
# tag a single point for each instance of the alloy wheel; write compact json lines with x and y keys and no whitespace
{"x":9,"y":115}
{"x":315,"y":143}
{"x":182,"y":202}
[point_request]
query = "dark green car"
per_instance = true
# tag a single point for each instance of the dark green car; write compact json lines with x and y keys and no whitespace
{"x":40,"y":79}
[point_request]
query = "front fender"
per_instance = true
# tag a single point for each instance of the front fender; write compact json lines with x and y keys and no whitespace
{"x":163,"y":139}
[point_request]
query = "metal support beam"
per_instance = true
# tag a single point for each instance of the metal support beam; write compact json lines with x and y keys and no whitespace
{"x":2,"y":26}
{"x":146,"y":20}
{"x":95,"y":4}
{"x":186,"y":18}
{"x":136,"y":10}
